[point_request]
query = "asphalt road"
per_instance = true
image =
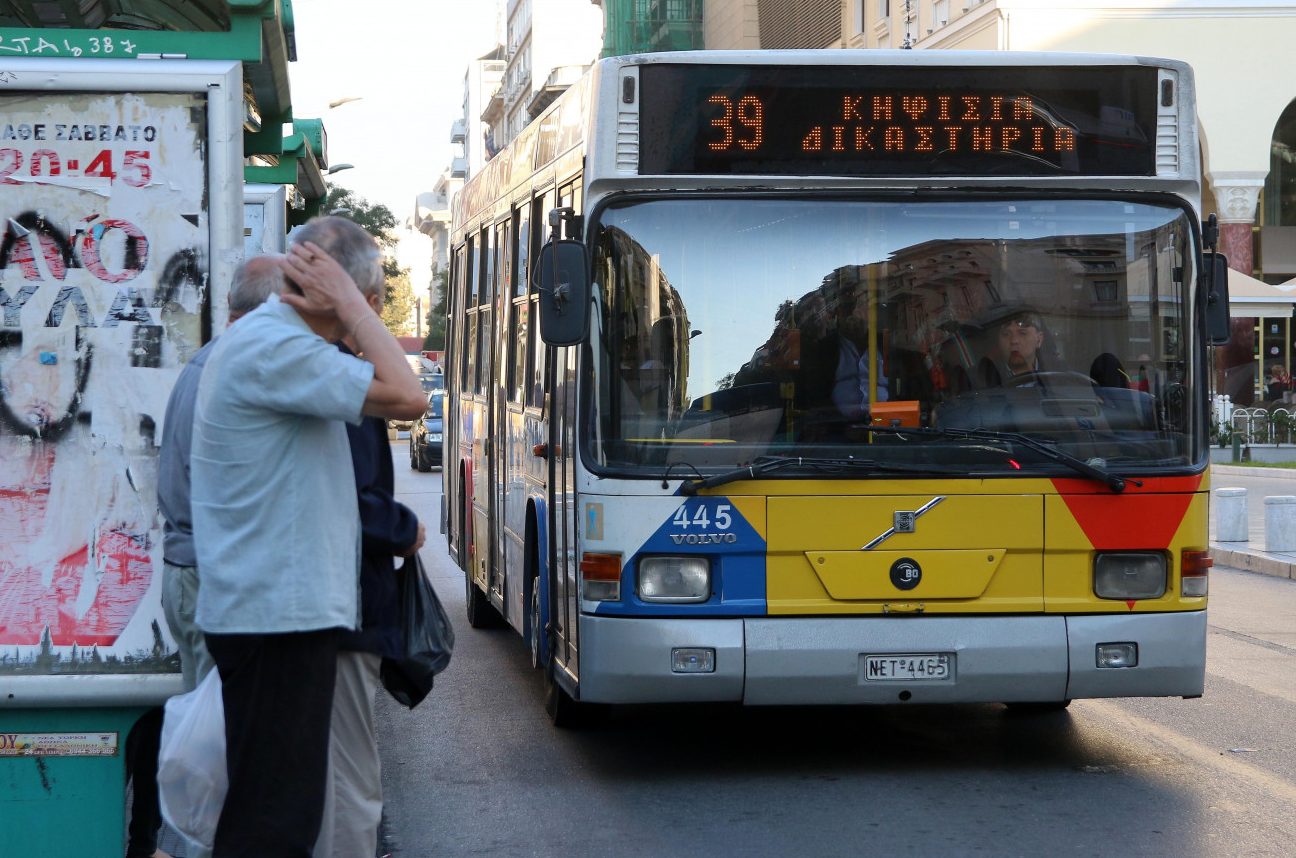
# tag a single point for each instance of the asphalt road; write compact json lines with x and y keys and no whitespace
{"x":478,"y":770}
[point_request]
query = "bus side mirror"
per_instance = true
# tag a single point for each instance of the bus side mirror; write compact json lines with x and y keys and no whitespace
{"x":562,"y":278}
{"x":1215,"y":273}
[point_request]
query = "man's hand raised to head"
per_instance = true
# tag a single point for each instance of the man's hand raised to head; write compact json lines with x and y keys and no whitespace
{"x":327,"y":290}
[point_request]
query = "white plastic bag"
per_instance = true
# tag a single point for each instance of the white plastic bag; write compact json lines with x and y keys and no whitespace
{"x":192,"y":779}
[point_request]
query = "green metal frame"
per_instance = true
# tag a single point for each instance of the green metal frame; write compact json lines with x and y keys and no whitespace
{"x":59,"y":805}
{"x":259,"y":33}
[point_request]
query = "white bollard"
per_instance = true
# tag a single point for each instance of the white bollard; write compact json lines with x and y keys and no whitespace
{"x":1280,"y":523}
{"x":1231,"y":515}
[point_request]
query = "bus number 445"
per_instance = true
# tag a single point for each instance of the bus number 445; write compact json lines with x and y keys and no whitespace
{"x":700,"y":519}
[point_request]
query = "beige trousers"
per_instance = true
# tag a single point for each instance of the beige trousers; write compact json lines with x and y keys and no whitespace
{"x":353,"y":795}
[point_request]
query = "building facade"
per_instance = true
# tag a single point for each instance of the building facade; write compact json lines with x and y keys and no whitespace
{"x":548,"y":46}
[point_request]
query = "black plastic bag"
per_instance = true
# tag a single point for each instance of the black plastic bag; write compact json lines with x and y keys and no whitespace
{"x":427,"y":638}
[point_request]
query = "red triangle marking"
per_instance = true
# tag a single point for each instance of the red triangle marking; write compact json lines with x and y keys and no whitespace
{"x":1129,"y":603}
{"x":1133,"y":519}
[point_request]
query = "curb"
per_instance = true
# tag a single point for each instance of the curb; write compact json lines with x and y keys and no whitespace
{"x":1244,"y":471}
{"x":1252,"y":561}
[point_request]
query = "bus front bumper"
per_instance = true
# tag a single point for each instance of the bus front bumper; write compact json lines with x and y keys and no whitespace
{"x":802,"y":660}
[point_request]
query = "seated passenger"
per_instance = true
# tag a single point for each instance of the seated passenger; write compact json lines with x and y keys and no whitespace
{"x":1106,"y":371}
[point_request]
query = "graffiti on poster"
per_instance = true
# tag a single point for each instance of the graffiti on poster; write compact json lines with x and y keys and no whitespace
{"x":103,"y":260}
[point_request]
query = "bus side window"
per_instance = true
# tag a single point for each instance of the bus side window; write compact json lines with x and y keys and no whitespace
{"x":535,"y":396}
{"x":482,"y":356}
{"x":468,"y":337}
{"x":499,"y":298}
{"x":569,"y":197}
{"x":519,"y":323}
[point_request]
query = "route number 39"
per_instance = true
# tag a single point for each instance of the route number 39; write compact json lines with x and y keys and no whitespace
{"x":700,"y":519}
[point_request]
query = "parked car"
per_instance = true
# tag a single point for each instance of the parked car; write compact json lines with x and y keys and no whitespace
{"x":432,"y":381}
{"x":425,"y":437}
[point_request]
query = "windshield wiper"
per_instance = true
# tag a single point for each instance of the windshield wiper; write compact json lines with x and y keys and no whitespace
{"x":1114,"y":482}
{"x":763,"y":465}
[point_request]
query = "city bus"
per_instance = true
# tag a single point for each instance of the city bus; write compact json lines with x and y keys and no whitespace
{"x":840,"y":377}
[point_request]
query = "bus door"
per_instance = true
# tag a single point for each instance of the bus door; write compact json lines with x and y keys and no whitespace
{"x":454,"y":286}
{"x":481,"y":352}
{"x":562,"y":515}
{"x":497,"y":409}
{"x":562,"y":480}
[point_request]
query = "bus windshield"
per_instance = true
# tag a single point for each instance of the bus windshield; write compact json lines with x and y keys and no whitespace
{"x":737,"y":329}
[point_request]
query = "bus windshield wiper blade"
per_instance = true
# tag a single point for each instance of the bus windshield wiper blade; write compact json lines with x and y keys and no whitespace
{"x":1115,"y":482}
{"x":763,"y":465}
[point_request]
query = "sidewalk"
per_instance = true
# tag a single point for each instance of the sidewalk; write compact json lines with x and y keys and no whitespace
{"x":1248,"y":556}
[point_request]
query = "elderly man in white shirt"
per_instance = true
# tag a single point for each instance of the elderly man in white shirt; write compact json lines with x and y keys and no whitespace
{"x":276,"y":525}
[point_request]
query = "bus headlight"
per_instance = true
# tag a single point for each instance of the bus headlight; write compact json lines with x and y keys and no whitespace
{"x":674,"y":579}
{"x":1129,"y":575}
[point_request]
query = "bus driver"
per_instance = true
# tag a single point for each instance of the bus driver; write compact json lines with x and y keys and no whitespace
{"x":1020,"y":339}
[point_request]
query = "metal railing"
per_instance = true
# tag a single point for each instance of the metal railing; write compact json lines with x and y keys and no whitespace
{"x":1262,"y":426}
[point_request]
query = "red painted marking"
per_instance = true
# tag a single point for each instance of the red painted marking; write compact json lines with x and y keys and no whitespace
{"x":1144,"y":517}
{"x":1151,"y":486}
{"x":72,"y":165}
{"x":1129,"y":603}
{"x":119,"y":573}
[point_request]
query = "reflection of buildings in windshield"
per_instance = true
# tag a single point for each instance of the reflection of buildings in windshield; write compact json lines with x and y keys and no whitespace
{"x":649,"y":333}
{"x":949,"y":318}
{"x":824,"y":363}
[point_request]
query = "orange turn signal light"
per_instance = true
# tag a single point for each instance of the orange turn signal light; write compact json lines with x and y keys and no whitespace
{"x":596,"y":566}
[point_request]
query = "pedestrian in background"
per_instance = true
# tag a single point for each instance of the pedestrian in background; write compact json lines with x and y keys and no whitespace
{"x":353,"y":800}
{"x":276,"y":526}
{"x":254,"y":281}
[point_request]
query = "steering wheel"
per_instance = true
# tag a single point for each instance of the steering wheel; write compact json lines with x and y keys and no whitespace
{"x":1045,"y":377}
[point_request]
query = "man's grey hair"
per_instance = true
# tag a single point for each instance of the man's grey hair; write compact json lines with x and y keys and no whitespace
{"x":255,"y":280}
{"x":353,"y":248}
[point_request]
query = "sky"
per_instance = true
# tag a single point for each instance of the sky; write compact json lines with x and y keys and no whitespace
{"x":405,"y":61}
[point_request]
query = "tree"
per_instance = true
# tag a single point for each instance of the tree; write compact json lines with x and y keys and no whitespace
{"x":379,"y":222}
{"x":436,"y":317}
{"x":400,"y":303}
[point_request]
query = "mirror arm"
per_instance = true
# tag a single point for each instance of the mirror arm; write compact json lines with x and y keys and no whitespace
{"x":1210,"y":232}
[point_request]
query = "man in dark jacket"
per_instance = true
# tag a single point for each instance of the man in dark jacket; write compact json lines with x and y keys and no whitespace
{"x":388,"y":528}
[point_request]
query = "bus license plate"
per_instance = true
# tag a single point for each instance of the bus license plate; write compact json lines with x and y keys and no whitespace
{"x":907,"y":667}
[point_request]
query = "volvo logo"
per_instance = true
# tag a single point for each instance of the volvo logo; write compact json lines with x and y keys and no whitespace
{"x":902,"y":521}
{"x":704,"y":538}
{"x":905,"y":573}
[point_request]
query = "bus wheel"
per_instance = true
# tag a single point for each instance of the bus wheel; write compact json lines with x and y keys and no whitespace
{"x":481,"y":613}
{"x":534,"y":637}
{"x":1037,"y":708}
{"x":564,"y":711}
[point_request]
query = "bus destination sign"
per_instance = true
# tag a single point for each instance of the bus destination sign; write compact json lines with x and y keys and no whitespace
{"x":887,"y":121}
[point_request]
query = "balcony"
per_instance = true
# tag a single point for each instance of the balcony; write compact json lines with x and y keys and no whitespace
{"x":555,"y":85}
{"x":458,"y":131}
{"x":459,"y":168}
